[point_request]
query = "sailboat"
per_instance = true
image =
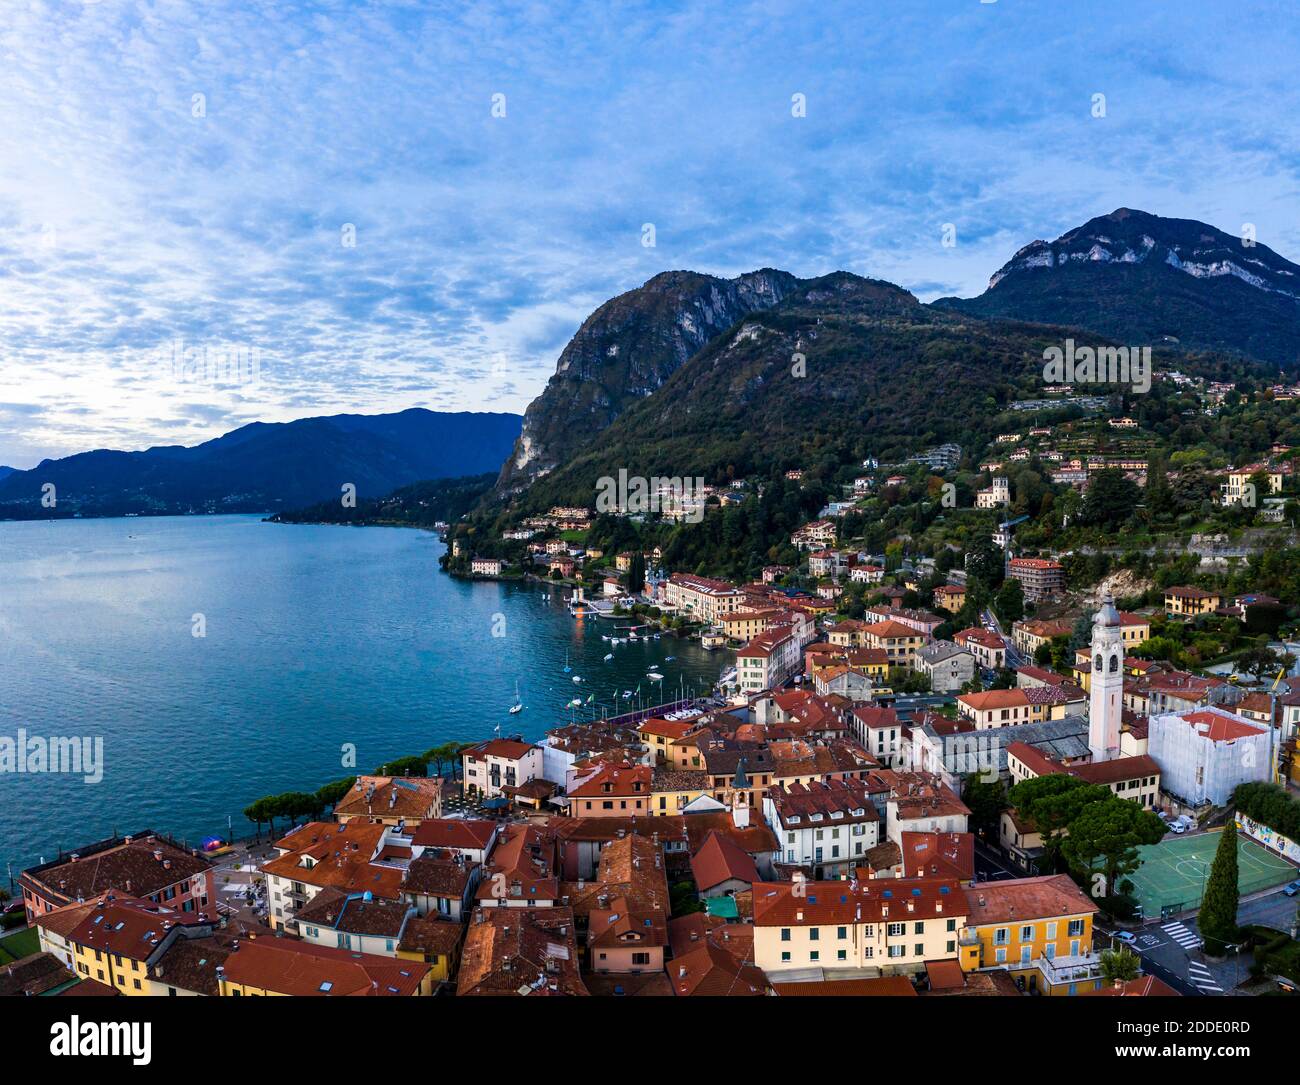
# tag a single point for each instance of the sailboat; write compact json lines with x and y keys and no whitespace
{"x":577,"y":678}
{"x":609,"y":657}
{"x":567,"y":668}
{"x":518,"y":706}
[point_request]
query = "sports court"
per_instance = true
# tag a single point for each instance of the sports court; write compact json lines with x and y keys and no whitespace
{"x":1173,"y":873}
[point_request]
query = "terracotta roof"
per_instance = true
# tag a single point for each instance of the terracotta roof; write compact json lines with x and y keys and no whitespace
{"x":341,"y":856}
{"x":1121,"y":768}
{"x":995,"y":698}
{"x":930,"y":855}
{"x":353,"y":914}
{"x":720,"y":860}
{"x":300,"y":968}
{"x":437,"y":873}
{"x":614,"y":780}
{"x":621,"y":924}
{"x":1219,"y":727}
{"x":431,"y":937}
{"x":889,"y":629}
{"x":506,"y":748}
{"x":838,"y":801}
{"x":130,"y":927}
{"x":712,"y":971}
{"x":944,"y":975}
{"x":523,"y":951}
{"x":697,"y":928}
{"x":470,"y":834}
{"x":1142,"y":986}
{"x":410,"y":797}
{"x":33,"y":975}
{"x":776,"y":904}
{"x":139,"y":865}
{"x":1026,"y":898}
{"x":190,"y":964}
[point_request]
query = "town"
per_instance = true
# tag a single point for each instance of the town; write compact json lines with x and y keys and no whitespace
{"x":946,"y":775}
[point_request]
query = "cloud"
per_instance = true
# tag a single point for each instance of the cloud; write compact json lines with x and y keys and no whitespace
{"x":184,"y":181}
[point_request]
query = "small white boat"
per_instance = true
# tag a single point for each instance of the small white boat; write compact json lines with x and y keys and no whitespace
{"x":609,"y":657}
{"x":669,"y":659}
{"x":627,"y":694}
{"x":655,"y":676}
{"x":631,"y":636}
{"x":518,"y":706}
{"x":577,"y":678}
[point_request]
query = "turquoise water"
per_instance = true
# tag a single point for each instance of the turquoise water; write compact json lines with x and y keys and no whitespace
{"x":316,"y":636}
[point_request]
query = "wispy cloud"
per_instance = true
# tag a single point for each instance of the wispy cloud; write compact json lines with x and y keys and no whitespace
{"x":181,"y":179}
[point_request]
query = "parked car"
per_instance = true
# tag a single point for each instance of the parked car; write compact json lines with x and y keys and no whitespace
{"x":1176,"y":827}
{"x":1127,"y":937}
{"x":1292,"y":888}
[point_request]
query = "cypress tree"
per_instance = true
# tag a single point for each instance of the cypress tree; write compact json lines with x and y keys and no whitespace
{"x":1218,"y":916}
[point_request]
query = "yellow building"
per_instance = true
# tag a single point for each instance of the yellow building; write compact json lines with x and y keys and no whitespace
{"x":115,"y":938}
{"x":950,"y":597}
{"x":435,"y":942}
{"x":1038,"y":929}
{"x":672,"y":789}
{"x":1191,"y":602}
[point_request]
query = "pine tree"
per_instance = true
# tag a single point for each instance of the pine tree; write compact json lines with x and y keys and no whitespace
{"x":1218,"y":917}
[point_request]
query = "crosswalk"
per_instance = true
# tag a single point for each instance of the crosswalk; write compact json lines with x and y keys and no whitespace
{"x":1202,"y":977}
{"x":1182,"y":935}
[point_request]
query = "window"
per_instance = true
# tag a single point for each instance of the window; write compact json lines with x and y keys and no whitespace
{"x":918,"y":927}
{"x":640,"y":958}
{"x":785,"y":934}
{"x":785,"y":955}
{"x":842,"y":955}
{"x":919,"y":950}
{"x":895,"y":930}
{"x":1026,"y":934}
{"x":841,"y":932}
{"x":814,"y":955}
{"x":897,"y":951}
{"x":814,"y":934}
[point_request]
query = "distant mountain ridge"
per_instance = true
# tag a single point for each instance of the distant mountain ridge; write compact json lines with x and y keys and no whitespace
{"x":268,"y":466}
{"x":626,"y":350}
{"x":1144,"y":279}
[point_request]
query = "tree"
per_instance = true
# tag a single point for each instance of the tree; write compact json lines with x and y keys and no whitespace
{"x":1119,"y":965}
{"x":1110,"y":499}
{"x":986,"y":801}
{"x":984,"y":562}
{"x":1218,"y":917}
{"x":1104,"y":839}
{"x":1051,"y":804}
{"x":1010,"y":603}
{"x":636,"y":573}
{"x":331,"y":793}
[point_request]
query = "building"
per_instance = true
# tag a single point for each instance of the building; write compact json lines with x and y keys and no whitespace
{"x":115,"y":938}
{"x":1205,"y":753}
{"x":489,"y":767}
{"x":1040,"y":578}
{"x":354,"y":921}
{"x":769,"y":660}
{"x":950,"y":597}
{"x":441,"y":884}
{"x":524,"y":952}
{"x":1038,"y":929}
{"x":824,"y":827}
{"x":1106,"y":684}
{"x":883,"y":926}
{"x":1189,"y":602}
{"x":989,"y":650}
{"x":279,"y":966}
{"x":946,"y":664}
{"x":920,"y":802}
{"x":391,"y":800}
{"x":1136,"y":778}
{"x":612,"y":791}
{"x":996,"y":496}
{"x":900,"y":642}
{"x":879,"y":733}
{"x":486,"y":566}
{"x":321,"y":855}
{"x":702,"y":598}
{"x":141,"y":865}
{"x":1030,"y":635}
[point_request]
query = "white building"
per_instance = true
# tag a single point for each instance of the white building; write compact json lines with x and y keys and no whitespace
{"x":1205,"y":753}
{"x":826,"y":826}
{"x":768,"y":660}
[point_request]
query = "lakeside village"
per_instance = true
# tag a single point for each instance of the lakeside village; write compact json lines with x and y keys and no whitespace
{"x":813,"y":832}
{"x":908,"y":784}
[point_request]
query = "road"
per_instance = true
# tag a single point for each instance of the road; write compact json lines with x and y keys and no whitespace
{"x":991,"y":623}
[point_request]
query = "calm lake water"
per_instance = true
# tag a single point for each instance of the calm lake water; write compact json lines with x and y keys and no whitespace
{"x":315,"y":637}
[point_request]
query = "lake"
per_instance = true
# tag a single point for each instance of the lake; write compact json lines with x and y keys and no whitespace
{"x":312,"y":637}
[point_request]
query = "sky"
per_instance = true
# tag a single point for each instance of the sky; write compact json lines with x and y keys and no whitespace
{"x":216,"y":213}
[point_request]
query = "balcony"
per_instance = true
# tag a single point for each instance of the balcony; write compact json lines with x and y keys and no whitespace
{"x":1060,"y":970}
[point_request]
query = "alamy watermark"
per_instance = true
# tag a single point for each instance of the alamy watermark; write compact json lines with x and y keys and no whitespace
{"x":671,"y":496}
{"x":223,"y":364}
{"x":35,"y":754}
{"x":1098,"y":365}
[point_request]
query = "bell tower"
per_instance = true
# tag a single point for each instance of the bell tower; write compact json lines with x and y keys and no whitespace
{"x":1106,"y":686}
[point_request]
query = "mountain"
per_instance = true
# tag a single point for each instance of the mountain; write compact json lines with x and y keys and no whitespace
{"x":1146,"y":280}
{"x":422,"y":504}
{"x":883,"y":375}
{"x":6,"y":471}
{"x":268,"y":466}
{"x":625,"y":351}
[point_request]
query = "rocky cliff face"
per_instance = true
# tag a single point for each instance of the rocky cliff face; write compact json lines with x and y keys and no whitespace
{"x":625,"y":351}
{"x":1147,"y":280}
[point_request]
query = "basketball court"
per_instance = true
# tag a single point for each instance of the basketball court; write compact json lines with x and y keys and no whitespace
{"x":1173,"y":873}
